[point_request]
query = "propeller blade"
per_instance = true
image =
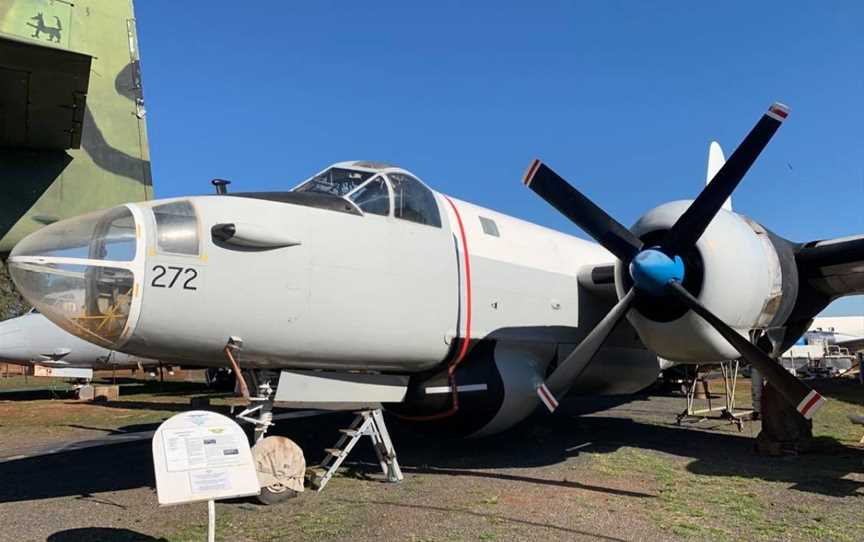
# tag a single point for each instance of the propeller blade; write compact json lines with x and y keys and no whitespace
{"x":560,"y":381}
{"x":581,"y":211}
{"x":806,"y":400}
{"x":690,"y":226}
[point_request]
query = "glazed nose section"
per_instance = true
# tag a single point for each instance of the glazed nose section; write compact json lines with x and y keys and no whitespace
{"x":80,"y":274}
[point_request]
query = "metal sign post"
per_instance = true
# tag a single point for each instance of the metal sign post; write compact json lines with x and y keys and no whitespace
{"x":211,"y":521}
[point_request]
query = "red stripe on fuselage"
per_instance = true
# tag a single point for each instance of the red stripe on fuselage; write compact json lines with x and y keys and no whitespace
{"x":465,"y":342}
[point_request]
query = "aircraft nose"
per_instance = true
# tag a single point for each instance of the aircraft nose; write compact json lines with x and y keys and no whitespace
{"x":80,"y":274}
{"x":12,"y":341}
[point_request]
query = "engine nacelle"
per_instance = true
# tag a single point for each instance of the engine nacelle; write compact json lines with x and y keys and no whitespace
{"x":740,"y":271}
{"x":496,"y":383}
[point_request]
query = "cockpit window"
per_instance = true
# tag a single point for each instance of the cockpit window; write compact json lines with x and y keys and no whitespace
{"x":372,"y":197}
{"x":413,"y":201}
{"x":176,"y":228}
{"x":335,"y":181}
{"x":101,"y":235}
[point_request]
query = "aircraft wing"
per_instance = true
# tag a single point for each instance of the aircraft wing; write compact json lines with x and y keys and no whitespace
{"x":834,"y":267}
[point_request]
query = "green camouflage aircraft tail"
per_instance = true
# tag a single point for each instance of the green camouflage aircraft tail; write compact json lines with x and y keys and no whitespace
{"x":73,"y":135}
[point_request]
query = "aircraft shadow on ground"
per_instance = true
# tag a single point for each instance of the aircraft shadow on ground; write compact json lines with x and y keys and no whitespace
{"x":78,"y":472}
{"x":40,"y":394}
{"x":541,"y":441}
{"x":89,"y":534}
{"x":128,"y":387}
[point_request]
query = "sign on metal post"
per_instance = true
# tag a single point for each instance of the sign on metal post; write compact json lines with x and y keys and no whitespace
{"x":202,"y":456}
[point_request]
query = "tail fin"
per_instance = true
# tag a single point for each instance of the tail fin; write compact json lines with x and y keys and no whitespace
{"x":69,"y":142}
{"x":715,"y":162}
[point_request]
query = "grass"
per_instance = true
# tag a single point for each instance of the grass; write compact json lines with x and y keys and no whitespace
{"x":690,"y":505}
{"x":845,"y":397}
{"x":319,"y":525}
{"x":696,"y":506}
{"x":326,"y":521}
{"x":20,"y":382}
{"x":59,"y":416}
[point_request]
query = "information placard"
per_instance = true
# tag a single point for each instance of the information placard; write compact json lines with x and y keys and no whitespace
{"x":202,"y":456}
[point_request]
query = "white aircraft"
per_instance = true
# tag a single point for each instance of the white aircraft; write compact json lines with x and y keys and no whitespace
{"x":32,"y":339}
{"x":463,"y":319}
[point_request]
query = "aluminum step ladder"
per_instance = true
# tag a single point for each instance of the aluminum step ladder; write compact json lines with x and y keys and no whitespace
{"x":367,"y":423}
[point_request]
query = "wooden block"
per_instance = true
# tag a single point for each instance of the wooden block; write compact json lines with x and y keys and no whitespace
{"x":106,"y":393}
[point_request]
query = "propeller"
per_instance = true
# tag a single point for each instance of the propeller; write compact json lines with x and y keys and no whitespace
{"x":658,"y":271}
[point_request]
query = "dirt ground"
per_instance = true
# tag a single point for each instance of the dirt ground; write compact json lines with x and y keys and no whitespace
{"x":603,"y":469}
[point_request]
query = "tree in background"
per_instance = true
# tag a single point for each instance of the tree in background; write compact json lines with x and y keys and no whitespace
{"x":11,"y":302}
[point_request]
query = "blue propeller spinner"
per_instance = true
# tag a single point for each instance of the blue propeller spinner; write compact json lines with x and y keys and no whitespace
{"x":651,"y":270}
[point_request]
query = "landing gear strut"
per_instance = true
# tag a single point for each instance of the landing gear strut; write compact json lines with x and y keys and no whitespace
{"x":279,"y":462}
{"x":264,"y":409}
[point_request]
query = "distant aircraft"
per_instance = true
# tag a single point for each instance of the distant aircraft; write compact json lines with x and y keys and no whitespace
{"x":73,"y":135}
{"x":32,"y":339}
{"x":462,"y":319}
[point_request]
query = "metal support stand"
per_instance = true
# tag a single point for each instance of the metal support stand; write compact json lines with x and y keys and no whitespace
{"x":367,"y":423}
{"x":729,"y":370}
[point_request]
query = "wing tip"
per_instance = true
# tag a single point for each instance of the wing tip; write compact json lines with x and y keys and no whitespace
{"x":531,"y":171}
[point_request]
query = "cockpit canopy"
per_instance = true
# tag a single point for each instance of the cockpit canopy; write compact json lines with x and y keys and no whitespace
{"x":378,"y":189}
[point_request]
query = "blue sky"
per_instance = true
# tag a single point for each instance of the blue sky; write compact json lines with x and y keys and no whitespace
{"x":622,"y":98}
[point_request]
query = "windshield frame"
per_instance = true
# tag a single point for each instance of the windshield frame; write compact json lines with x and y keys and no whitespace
{"x":384,"y":178}
{"x":369,"y":173}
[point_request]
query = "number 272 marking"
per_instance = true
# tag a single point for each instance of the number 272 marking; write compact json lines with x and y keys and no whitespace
{"x":161,"y":272}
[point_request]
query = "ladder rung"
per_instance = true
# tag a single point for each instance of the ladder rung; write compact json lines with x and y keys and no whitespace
{"x":350,"y":432}
{"x":335,"y":452}
{"x":318,"y":471}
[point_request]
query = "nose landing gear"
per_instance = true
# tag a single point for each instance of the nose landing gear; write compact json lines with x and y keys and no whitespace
{"x":279,"y":462}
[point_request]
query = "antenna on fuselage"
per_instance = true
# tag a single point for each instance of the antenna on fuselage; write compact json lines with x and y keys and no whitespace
{"x":221,"y":186}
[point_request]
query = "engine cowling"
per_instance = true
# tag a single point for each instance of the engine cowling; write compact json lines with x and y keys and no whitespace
{"x":742,"y":272}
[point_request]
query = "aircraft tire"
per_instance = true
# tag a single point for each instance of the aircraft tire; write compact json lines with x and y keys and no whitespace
{"x":275,"y":494}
